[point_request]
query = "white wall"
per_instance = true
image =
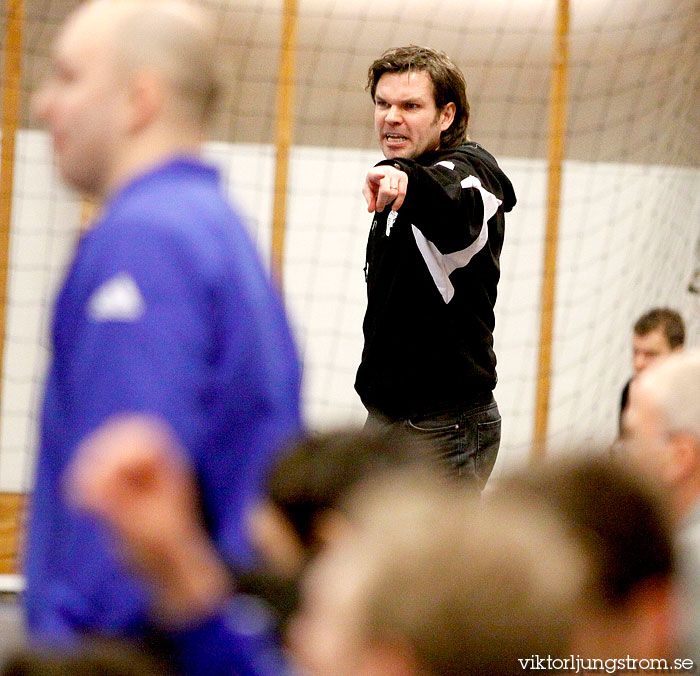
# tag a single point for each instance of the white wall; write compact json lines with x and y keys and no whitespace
{"x":627,"y":241}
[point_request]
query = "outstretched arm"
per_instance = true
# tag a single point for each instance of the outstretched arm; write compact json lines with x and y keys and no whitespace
{"x":448,"y":202}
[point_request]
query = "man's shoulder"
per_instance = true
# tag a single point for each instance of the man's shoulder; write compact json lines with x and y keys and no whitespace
{"x":174,"y":237}
{"x":469,"y":157}
{"x":472,"y":159}
{"x":180,"y":202}
{"x":469,"y":151}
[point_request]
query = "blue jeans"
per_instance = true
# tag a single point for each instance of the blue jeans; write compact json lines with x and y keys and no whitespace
{"x":466,"y":442}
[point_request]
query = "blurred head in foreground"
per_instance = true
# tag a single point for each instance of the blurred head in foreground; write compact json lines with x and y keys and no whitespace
{"x":623,"y":526}
{"x":430,"y":580}
{"x":306,"y":490}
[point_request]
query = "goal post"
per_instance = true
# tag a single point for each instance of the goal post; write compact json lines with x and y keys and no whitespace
{"x":557,"y":136}
{"x":11,"y":503}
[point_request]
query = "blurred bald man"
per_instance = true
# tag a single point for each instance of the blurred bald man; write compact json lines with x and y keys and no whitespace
{"x":662,"y":425}
{"x":165,"y":310}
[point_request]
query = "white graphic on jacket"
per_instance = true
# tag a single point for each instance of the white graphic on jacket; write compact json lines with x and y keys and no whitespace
{"x":390,"y":220}
{"x":441,"y":265}
{"x":117,"y":299}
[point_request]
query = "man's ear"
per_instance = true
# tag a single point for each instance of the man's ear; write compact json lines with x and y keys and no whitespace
{"x":684,"y":457}
{"x":653,"y":612}
{"x":146,"y":96}
{"x":447,"y":115}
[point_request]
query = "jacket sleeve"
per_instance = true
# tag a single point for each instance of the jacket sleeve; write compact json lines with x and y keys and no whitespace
{"x":447,"y":202}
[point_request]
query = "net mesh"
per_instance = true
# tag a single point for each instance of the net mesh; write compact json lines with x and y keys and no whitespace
{"x":629,"y":229}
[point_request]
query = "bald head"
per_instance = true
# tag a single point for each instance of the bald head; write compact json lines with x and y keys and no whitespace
{"x":133,"y":83}
{"x":673,"y":385}
{"x":662,"y":425}
{"x":170,"y":37}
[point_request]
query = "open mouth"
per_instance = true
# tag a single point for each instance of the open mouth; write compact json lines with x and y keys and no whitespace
{"x":395,"y":138}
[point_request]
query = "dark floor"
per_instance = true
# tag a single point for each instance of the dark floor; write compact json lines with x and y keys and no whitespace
{"x":11,"y":628}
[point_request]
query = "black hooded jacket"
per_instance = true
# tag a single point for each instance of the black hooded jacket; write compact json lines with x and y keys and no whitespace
{"x":432,"y":269}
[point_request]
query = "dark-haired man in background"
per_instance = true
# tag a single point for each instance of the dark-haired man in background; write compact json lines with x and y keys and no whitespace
{"x":656,"y":333}
{"x":432,"y":263}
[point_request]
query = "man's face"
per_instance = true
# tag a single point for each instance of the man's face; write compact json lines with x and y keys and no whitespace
{"x":80,"y":103}
{"x":647,"y":348}
{"x":406,"y":119}
{"x":646,"y":438}
{"x":325,"y":637}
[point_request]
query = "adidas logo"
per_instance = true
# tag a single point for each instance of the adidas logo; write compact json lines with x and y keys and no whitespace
{"x":118,"y":300}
